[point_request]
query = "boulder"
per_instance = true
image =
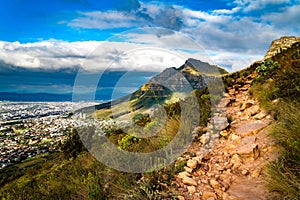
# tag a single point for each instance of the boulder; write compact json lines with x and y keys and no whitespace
{"x":198,"y":159}
{"x":236,"y":161}
{"x":189,"y":170}
{"x":204,"y":139}
{"x":182,"y":175}
{"x":261,"y":115}
{"x":253,"y":110}
{"x":250,"y":128}
{"x":245,"y":172}
{"x":235,"y":139}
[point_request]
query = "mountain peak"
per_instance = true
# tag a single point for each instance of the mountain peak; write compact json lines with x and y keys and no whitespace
{"x":202,"y":68}
{"x":278,"y":45}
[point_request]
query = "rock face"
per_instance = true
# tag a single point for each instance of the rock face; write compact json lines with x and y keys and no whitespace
{"x":281,"y":44}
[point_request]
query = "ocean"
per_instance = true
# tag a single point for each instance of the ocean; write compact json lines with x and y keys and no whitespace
{"x":54,"y":86}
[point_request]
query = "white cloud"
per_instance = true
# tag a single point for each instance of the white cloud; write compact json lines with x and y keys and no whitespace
{"x":286,"y":20}
{"x":234,"y":60}
{"x":50,"y":54}
{"x":247,"y":28}
{"x":237,"y":37}
{"x":201,"y":16}
{"x":254,"y":5}
{"x":153,"y":14}
{"x":226,"y":11}
{"x":104,"y":20}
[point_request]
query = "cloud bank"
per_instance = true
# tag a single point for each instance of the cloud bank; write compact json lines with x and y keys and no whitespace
{"x":96,"y":56}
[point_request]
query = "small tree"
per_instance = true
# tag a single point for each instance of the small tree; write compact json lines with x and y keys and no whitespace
{"x":72,"y":146}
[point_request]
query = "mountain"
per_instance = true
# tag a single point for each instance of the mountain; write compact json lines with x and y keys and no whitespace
{"x":170,"y":85}
{"x":191,"y":74}
{"x":34,"y":97}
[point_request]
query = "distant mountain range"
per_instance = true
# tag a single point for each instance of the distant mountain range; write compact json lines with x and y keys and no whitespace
{"x":36,"y":97}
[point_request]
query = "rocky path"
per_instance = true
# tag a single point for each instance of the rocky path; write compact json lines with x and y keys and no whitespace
{"x":227,"y":162}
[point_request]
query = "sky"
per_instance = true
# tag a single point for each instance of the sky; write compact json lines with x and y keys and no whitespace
{"x":65,"y":35}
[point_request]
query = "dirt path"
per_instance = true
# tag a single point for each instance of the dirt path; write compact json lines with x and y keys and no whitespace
{"x":227,"y":163}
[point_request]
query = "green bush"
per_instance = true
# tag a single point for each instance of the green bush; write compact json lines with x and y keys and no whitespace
{"x":266,"y":70}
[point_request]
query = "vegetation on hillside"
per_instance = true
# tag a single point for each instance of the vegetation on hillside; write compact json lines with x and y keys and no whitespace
{"x":277,"y":87}
{"x":74,"y":174}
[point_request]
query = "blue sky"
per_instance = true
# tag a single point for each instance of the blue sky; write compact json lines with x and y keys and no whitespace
{"x":35,"y":20}
{"x":56,"y":35}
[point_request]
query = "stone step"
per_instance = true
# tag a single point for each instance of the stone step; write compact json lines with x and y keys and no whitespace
{"x":245,"y":188}
{"x":250,"y":128}
{"x":248,"y":151}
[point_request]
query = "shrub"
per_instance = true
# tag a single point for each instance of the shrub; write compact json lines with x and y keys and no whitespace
{"x":141,"y":119}
{"x":127,"y":142}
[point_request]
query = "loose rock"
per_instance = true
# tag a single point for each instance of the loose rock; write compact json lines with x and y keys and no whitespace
{"x":191,"y":189}
{"x":192,"y":163}
{"x":215,"y":184}
{"x":180,"y":198}
{"x":189,"y":181}
{"x":224,"y":133}
{"x":206,"y":195}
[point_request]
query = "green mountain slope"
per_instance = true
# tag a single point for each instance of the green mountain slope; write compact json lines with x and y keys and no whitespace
{"x":169,"y":86}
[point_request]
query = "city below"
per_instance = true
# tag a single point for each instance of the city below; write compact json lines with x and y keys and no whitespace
{"x":29,"y":129}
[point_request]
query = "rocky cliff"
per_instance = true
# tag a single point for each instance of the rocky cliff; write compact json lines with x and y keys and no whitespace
{"x":283,"y":43}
